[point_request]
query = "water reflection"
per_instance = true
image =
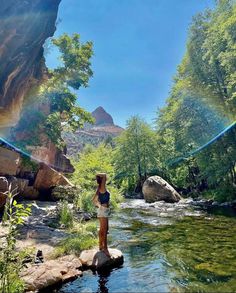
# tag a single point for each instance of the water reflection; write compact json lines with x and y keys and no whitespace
{"x":103,"y":278}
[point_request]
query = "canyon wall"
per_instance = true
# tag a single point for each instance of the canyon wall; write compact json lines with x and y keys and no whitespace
{"x":24,"y":27}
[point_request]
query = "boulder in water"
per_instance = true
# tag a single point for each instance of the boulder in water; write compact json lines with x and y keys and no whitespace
{"x":156,"y":188}
{"x":97,"y":259}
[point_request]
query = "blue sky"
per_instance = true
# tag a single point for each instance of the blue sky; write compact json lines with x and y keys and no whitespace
{"x":137,"y":47}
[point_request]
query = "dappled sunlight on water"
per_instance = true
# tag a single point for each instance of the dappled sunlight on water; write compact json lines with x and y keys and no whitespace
{"x":167,"y":248}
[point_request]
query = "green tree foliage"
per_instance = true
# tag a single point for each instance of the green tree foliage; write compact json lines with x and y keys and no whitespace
{"x":201,"y":102}
{"x":91,"y":161}
{"x":135,"y":153}
{"x":209,"y":67}
{"x":74,"y":72}
{"x":53,"y":106}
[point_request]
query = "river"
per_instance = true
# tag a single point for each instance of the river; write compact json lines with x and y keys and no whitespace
{"x":167,"y":248}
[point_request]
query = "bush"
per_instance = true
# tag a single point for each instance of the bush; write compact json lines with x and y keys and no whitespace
{"x":84,"y":202}
{"x":91,"y":161}
{"x":65,"y":214}
{"x":10,"y":259}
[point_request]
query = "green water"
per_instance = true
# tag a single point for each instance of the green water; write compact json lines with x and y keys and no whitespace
{"x":167,"y":249}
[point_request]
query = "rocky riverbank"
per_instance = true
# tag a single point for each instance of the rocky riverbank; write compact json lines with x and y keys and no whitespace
{"x":41,"y":235}
{"x":53,"y":273}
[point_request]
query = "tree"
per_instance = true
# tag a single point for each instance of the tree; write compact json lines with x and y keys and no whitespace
{"x":64,"y":112}
{"x":201,"y":102}
{"x":134,"y":152}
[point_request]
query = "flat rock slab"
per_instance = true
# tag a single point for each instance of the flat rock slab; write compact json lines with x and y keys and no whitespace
{"x":51,"y":273}
{"x":97,"y":259}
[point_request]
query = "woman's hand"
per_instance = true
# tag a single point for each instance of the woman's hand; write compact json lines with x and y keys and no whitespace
{"x":101,"y":174}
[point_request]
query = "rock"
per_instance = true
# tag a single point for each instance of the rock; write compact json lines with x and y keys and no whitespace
{"x":47,"y":177}
{"x":17,"y":187}
{"x":3,"y":188}
{"x":21,"y":184}
{"x":30,"y":192}
{"x":25,"y":25}
{"x":102,"y":117}
{"x":103,"y":130}
{"x":51,"y":272}
{"x":40,"y":229}
{"x":50,"y":154}
{"x":156,"y":188}
{"x":96,"y":259}
{"x":9,"y":162}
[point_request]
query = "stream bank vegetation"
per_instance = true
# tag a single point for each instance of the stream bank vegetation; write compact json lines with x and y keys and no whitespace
{"x":82,"y":235}
{"x":12,"y":260}
{"x":89,"y":162}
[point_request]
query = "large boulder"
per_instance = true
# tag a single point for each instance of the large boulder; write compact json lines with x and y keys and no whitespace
{"x":50,"y":154}
{"x":16,"y":185}
{"x":3,"y":189}
{"x":9,"y":162}
{"x":30,"y":192}
{"x":156,"y":188}
{"x":52,"y":272}
{"x":97,"y":259}
{"x":47,"y":177}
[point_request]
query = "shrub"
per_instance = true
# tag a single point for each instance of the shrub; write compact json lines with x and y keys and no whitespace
{"x":65,"y":214}
{"x":10,"y":259}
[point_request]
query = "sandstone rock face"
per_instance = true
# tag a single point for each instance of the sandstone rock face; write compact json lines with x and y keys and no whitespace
{"x":103,"y":130}
{"x":16,"y":185}
{"x":50,"y":155}
{"x":30,"y":192}
{"x":102,"y":117}
{"x":48,"y":177}
{"x":9,"y":162}
{"x":97,"y":259}
{"x":3,"y":189}
{"x":25,"y":25}
{"x":156,"y":188}
{"x":51,"y":272}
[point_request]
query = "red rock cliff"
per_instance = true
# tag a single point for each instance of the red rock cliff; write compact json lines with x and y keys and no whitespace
{"x":25,"y":25}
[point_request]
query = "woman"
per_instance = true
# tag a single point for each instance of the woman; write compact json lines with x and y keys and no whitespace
{"x":101,"y":200}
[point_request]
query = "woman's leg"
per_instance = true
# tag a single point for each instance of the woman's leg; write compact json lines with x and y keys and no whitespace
{"x":100,"y":234}
{"x":104,"y":235}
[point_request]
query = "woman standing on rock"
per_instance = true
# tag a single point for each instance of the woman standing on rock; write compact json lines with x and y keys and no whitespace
{"x":101,"y":200}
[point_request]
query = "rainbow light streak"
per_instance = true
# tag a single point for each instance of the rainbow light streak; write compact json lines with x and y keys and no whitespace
{"x":170,"y":163}
{"x":24,"y":153}
{"x":177,"y":160}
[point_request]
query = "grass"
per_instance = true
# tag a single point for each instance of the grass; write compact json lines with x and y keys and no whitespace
{"x":83,"y":236}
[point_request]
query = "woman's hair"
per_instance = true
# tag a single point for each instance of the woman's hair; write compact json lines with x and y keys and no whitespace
{"x":99,"y":180}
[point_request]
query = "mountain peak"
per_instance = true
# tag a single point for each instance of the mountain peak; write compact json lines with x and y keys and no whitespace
{"x":102,"y":117}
